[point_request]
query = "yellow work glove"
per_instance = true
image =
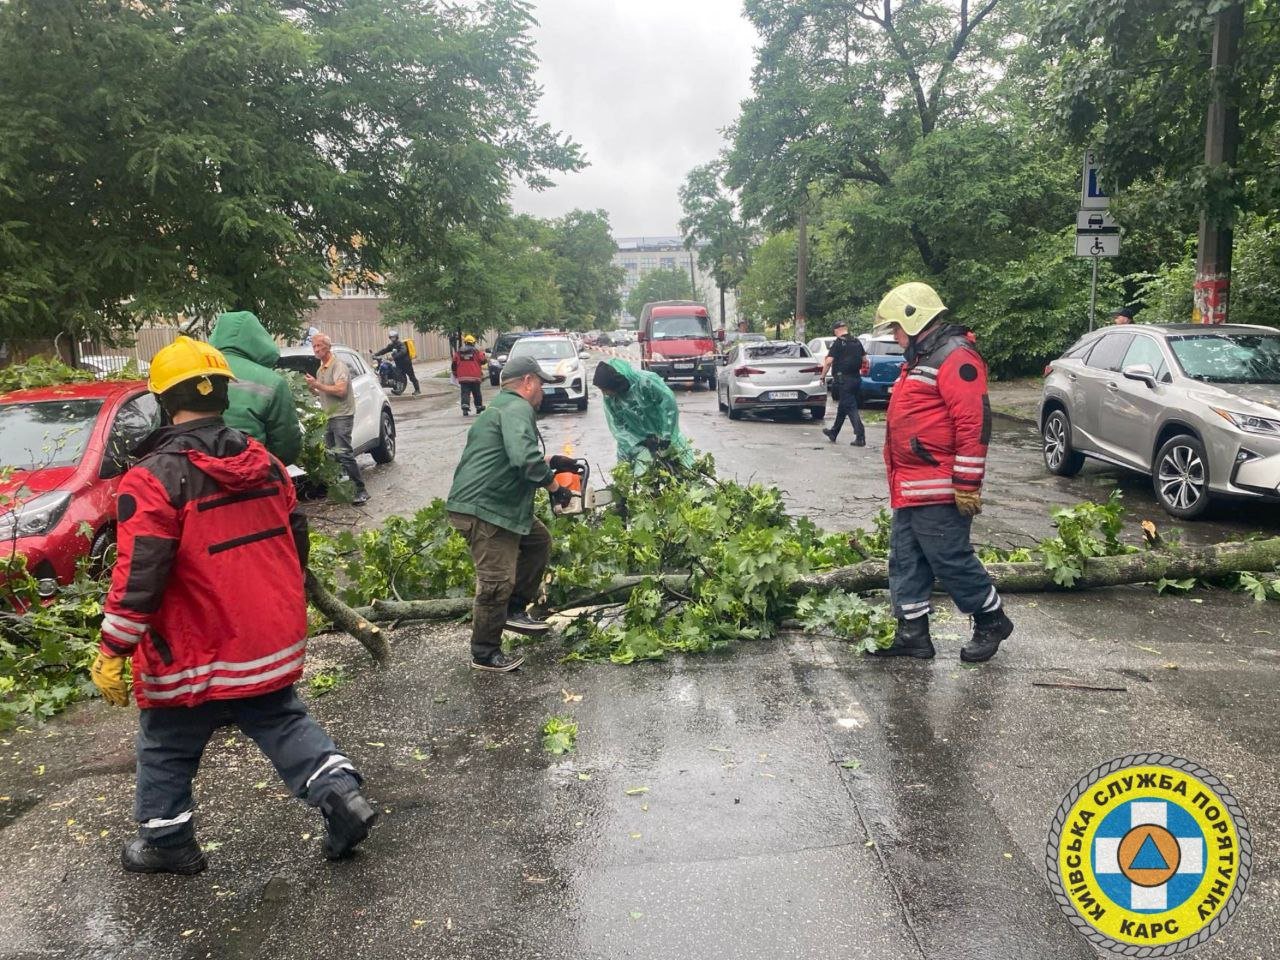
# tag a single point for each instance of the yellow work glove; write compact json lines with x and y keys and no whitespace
{"x":108,"y":677}
{"x":969,"y":502}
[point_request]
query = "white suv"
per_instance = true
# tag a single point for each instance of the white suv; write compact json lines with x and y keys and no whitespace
{"x":373,"y":429}
{"x":557,"y":356}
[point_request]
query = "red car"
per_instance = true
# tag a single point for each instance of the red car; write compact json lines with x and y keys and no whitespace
{"x":62,"y":453}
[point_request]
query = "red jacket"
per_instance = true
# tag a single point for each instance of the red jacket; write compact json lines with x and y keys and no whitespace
{"x":469,"y":365}
{"x":207,"y":592}
{"x":939,"y":421}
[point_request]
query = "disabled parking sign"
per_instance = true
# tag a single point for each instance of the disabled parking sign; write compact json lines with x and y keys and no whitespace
{"x":1149,"y":855}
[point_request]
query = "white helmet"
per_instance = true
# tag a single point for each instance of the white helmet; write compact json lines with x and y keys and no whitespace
{"x":394,"y":335}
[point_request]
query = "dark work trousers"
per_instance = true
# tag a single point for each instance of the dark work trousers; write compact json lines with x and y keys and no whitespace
{"x":470,"y":391}
{"x":406,"y":367}
{"x":509,"y":570}
{"x":337,"y":438}
{"x":932,"y":542}
{"x":847,"y":388}
{"x":171,"y":741}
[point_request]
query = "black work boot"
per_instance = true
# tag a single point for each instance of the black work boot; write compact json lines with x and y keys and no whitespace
{"x":466,"y":412}
{"x":498,"y":662}
{"x":520,"y":622}
{"x":859,"y":442}
{"x":138,"y":856}
{"x":988,"y":630}
{"x":829,"y":434}
{"x":911,"y":640}
{"x":347,"y":816}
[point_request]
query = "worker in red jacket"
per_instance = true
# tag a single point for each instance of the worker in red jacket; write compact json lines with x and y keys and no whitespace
{"x":936,"y":435}
{"x":469,"y":369}
{"x":207,"y":599}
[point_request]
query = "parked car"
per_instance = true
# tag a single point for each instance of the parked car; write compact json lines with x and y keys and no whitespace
{"x":105,"y":365}
{"x":881,"y":373}
{"x":771,"y":376}
{"x":676,"y":341}
{"x":67,"y":447}
{"x":501,"y":350}
{"x":558,"y":357}
{"x":819,"y":347}
{"x":1196,"y":408}
{"x":373,"y":430}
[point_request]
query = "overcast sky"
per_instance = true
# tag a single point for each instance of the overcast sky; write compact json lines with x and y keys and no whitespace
{"x":645,"y":86}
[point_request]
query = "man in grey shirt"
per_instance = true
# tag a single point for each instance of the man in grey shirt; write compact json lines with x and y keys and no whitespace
{"x":332,"y":384}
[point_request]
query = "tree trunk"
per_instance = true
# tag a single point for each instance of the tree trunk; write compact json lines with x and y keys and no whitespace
{"x":1208,"y":561}
{"x":348,"y":620}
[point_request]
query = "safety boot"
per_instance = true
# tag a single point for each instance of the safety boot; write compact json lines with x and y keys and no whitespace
{"x":988,"y":630}
{"x":347,"y":816}
{"x":139,"y":856}
{"x":910,"y":640}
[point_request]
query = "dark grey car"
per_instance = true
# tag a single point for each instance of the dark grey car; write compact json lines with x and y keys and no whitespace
{"x":1195,"y":407}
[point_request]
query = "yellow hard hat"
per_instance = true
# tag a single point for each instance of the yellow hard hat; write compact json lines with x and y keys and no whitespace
{"x":468,"y":339}
{"x":912,"y":306}
{"x":185,"y":359}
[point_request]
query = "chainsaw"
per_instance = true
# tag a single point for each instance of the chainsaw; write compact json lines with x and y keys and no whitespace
{"x":582,"y":498}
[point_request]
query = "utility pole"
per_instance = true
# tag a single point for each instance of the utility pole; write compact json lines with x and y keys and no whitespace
{"x":693,"y":280}
{"x":1221,"y":137}
{"x":802,"y":271}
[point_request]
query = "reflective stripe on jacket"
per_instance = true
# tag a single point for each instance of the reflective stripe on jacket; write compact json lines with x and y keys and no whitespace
{"x":939,"y":421}
{"x":207,"y":591}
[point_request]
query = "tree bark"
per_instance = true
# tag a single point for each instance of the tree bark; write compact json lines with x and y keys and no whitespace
{"x":1209,"y":561}
{"x":348,"y":620}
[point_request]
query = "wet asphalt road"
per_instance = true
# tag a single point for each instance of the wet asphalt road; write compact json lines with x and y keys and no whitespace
{"x":788,"y":799}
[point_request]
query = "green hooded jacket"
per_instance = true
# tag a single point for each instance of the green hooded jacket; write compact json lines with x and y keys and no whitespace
{"x":502,"y":465}
{"x":648,"y":409}
{"x":261,"y":403}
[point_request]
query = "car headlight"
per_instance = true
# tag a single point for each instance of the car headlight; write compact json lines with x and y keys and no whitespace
{"x":566,"y":367}
{"x":35,"y":517}
{"x":1250,"y":423}
{"x":502,"y":358}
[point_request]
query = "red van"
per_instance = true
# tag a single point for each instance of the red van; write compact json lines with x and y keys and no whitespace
{"x":676,"y":341}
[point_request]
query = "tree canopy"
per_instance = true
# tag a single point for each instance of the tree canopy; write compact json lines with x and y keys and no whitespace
{"x":161,"y":157}
{"x":666,"y":284}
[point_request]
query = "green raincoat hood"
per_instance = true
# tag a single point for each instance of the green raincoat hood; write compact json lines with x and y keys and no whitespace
{"x":243,"y":333}
{"x":648,"y":409}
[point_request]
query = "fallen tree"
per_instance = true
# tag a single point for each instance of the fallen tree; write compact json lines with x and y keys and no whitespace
{"x":1207,"y":562}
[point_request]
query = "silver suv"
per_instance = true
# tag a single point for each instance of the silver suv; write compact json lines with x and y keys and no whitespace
{"x":1195,"y":407}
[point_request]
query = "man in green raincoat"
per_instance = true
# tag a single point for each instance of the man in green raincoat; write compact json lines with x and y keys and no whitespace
{"x":261,"y":404}
{"x":642,"y":414}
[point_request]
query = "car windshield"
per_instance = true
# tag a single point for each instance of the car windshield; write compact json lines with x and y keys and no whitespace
{"x":680,"y":328}
{"x":1229,"y":357}
{"x":51,"y":433}
{"x":883,"y":348}
{"x":544,"y":349}
{"x":777,"y":351}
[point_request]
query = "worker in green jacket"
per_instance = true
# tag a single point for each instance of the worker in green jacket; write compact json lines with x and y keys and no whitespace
{"x":491,"y":504}
{"x":261,"y":403}
{"x":642,"y":414}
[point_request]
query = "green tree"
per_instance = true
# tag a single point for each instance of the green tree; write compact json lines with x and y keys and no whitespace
{"x":171,"y":156}
{"x":667,"y":284}
{"x":586,"y":276}
{"x":768,"y":291}
{"x":711,"y":222}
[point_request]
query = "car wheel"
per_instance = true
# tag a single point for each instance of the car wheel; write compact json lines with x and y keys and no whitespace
{"x":818,"y":413}
{"x":102,"y":552}
{"x":582,"y":404}
{"x":493,"y":379}
{"x":733,"y":414}
{"x":1059,"y":458}
{"x":721,"y":404}
{"x":385,"y":451}
{"x":1181,"y":477}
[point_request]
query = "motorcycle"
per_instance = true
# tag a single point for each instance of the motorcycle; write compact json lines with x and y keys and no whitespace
{"x":390,"y":376}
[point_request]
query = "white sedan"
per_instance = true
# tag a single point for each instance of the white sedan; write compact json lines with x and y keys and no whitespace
{"x":558,"y":356}
{"x":771,"y":376}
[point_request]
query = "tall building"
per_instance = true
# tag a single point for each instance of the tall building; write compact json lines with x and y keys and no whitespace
{"x":638,"y":256}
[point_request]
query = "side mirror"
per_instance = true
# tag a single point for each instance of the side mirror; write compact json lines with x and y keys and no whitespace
{"x":720,"y":334}
{"x":1142,"y":372}
{"x":115,"y":459}
{"x":641,"y":337}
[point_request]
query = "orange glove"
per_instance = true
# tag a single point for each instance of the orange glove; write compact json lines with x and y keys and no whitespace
{"x":107,"y":674}
{"x":969,"y":502}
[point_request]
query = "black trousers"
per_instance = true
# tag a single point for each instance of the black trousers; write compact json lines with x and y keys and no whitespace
{"x":470,"y":391}
{"x":171,"y":741}
{"x":848,"y":388}
{"x":406,"y":367}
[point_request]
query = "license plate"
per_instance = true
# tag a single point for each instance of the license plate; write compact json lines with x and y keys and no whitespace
{"x":684,"y":366}
{"x":785,"y":395}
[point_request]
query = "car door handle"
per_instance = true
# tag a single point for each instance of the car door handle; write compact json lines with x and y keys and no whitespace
{"x":1111,"y":385}
{"x":1072,"y":377}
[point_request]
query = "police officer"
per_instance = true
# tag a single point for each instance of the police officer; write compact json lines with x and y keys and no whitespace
{"x":845,"y":360}
{"x":936,"y":435}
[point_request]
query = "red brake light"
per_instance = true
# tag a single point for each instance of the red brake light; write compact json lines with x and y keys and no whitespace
{"x":866,"y":366}
{"x":810,"y":369}
{"x":746,"y":371}
{"x":1048,"y":369}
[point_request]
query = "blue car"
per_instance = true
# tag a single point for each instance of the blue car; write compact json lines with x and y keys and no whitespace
{"x":886,"y":360}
